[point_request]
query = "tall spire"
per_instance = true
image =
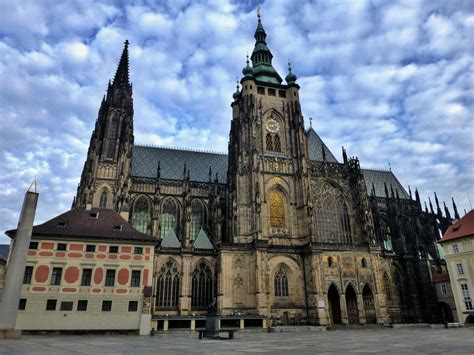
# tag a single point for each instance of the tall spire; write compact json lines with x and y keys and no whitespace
{"x":121,"y":75}
{"x":455,"y":208}
{"x":262,"y":57}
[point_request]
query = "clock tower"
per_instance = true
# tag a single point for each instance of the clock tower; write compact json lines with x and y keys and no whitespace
{"x":267,"y":175}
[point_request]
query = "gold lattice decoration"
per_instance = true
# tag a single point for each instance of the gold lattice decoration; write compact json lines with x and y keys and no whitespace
{"x":277,"y":208}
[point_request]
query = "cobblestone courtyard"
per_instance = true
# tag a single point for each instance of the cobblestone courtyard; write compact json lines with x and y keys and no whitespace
{"x":397,"y":341}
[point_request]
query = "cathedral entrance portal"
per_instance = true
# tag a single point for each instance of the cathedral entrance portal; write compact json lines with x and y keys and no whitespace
{"x":369,"y":306}
{"x":351,"y":302}
{"x":334,"y":305}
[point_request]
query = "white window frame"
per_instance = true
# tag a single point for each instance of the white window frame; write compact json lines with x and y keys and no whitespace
{"x":460,"y":268}
{"x":455,"y":248}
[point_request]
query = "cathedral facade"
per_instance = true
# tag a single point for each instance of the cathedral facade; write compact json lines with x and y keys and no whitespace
{"x":278,"y":229}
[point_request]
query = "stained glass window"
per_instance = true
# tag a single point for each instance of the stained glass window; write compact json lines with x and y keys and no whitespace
{"x":269,"y":141}
{"x":169,"y":217}
{"x":281,"y":283}
{"x":197,"y":218}
{"x":203,"y":286}
{"x":277,"y":208}
{"x":331,"y":215}
{"x":167,"y":285}
{"x":103,"y":199}
{"x":141,"y":216}
{"x":276,"y":143}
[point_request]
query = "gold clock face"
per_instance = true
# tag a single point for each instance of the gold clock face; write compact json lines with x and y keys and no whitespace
{"x":272,"y":125}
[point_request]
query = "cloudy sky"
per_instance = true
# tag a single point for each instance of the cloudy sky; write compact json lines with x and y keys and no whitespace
{"x":391,"y":81}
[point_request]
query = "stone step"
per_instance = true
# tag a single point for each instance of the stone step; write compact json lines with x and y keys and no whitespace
{"x":296,"y":328}
{"x":411,"y":325}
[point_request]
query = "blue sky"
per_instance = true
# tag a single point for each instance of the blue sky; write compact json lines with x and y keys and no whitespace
{"x":392,"y":81}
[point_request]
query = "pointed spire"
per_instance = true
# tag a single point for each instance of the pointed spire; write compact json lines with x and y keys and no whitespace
{"x":417,"y":196}
{"x":323,"y":152}
{"x":344,"y":156}
{"x":409,"y":192}
{"x":455,"y":208}
{"x":121,"y":75}
{"x":431,"y":205}
{"x":373,"y":189}
{"x":398,"y":196}
{"x":426,"y":208}
{"x":446,"y":211}
{"x":391,"y":191}
{"x":386,"y":190}
{"x":438,"y":210}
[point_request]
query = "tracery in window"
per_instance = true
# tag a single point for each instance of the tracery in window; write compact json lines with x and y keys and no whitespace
{"x":269,"y":141}
{"x":141,"y":215}
{"x":203,"y":286}
{"x":167,"y":285}
{"x":197,"y":218}
{"x":281,"y":283}
{"x":112,"y":136}
{"x":277,"y":208}
{"x":103,"y":199}
{"x":169,"y":217}
{"x":276,"y":143}
{"x":331,"y":215}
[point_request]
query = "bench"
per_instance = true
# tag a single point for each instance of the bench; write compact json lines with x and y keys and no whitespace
{"x":454,"y":325}
{"x":230,"y":332}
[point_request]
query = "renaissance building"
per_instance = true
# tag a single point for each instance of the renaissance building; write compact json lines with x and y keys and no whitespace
{"x":279,"y":229}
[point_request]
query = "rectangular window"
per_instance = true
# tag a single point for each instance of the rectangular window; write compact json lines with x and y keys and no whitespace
{"x":28,"y":274}
{"x":135,"y":282}
{"x":34,"y":245}
{"x":61,"y":246}
{"x":460,"y":269}
{"x":281,"y":93}
{"x":133,"y":306}
{"x":22,"y":304}
{"x":138,"y":250}
{"x":113,"y":249}
{"x":66,"y":306}
{"x":106,"y":306}
{"x":56,"y":276}
{"x":465,"y":292}
{"x":260,"y":90}
{"x":271,"y":92}
{"x":110,"y":277}
{"x":82,"y":305}
{"x":86,"y":277}
{"x":51,"y":305}
{"x":90,"y":248}
{"x":455,"y":248}
{"x":443,"y":289}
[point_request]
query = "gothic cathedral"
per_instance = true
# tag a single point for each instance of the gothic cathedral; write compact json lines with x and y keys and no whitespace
{"x":278,"y":229}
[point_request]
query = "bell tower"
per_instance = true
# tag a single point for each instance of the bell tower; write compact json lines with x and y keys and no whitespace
{"x":268,"y":175}
{"x":105,"y":177}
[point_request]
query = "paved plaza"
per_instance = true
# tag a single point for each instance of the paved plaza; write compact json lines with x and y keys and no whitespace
{"x":378,"y":340}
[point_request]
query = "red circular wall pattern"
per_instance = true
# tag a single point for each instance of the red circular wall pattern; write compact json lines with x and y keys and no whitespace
{"x":41,"y":273}
{"x":123,"y":276}
{"x":71,"y":275}
{"x":98,"y":275}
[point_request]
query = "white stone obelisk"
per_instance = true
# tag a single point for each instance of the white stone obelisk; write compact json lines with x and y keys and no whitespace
{"x":10,"y":297}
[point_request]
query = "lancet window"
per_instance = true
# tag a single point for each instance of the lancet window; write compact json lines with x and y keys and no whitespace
{"x":281,"y":283}
{"x":141,"y":215}
{"x":197,"y":218}
{"x":167,"y":285}
{"x":169,"y":217}
{"x":203,"y":286}
{"x":103,"y":199}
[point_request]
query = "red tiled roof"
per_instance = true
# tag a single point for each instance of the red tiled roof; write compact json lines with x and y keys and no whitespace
{"x":94,"y":223}
{"x":462,"y":228}
{"x":440,"y":277}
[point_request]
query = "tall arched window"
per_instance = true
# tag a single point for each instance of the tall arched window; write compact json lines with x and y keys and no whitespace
{"x":331,"y":214}
{"x":167,"y":285}
{"x":276,"y":143}
{"x":141,"y":215}
{"x":281,"y":283}
{"x":169,"y":217}
{"x":277,"y":208}
{"x":203,"y":286}
{"x":112,"y":136}
{"x":197,"y":218}
{"x":387,"y":287}
{"x":269,"y":141}
{"x":103,"y":199}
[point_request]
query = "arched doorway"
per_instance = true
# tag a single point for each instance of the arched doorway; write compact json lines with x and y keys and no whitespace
{"x":369,"y":305}
{"x":334,"y":305}
{"x":469,"y":322}
{"x":351,"y":303}
{"x":446,"y":312}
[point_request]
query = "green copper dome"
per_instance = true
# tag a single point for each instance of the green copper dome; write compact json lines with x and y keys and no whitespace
{"x":247,"y":71}
{"x":290,"y":78}
{"x":237,"y":92}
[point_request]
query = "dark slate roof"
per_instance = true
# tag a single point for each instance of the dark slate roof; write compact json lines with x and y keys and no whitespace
{"x":145,"y":162}
{"x":4,"y":248}
{"x":315,"y":151}
{"x":81,"y":223}
{"x":378,"y":178}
